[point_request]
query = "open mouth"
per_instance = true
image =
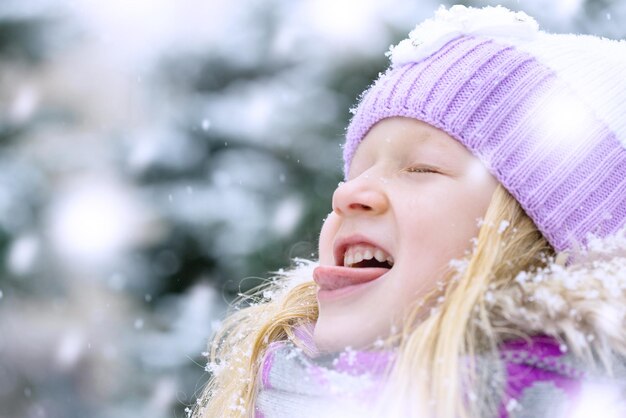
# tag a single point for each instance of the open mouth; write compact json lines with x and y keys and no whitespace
{"x":364,"y":255}
{"x":355,"y":264}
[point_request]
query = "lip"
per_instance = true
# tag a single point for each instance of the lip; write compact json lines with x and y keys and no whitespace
{"x":342,"y":244}
{"x":340,"y":294}
{"x":337,"y":281}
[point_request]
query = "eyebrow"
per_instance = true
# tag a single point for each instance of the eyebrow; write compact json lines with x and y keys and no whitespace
{"x":445,"y":153}
{"x":427,"y":139}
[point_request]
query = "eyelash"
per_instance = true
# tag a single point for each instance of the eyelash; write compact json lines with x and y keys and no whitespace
{"x":420,"y":170}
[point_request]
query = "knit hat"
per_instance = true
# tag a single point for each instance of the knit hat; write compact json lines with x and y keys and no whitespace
{"x":545,"y":113}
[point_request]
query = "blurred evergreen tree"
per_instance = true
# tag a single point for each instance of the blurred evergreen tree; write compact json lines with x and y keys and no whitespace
{"x":25,"y":45}
{"x":304,"y":156}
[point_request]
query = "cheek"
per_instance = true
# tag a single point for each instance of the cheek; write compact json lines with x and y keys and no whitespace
{"x":462,"y":219}
{"x":327,"y":236}
{"x":445,"y":225}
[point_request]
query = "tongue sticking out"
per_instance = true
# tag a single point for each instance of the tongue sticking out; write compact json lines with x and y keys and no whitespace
{"x":336,"y":277}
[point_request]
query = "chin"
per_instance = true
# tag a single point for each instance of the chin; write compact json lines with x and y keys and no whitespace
{"x":337,"y":339}
{"x":331,"y":339}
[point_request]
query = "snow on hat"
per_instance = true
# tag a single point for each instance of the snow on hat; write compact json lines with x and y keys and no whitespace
{"x":545,"y":113}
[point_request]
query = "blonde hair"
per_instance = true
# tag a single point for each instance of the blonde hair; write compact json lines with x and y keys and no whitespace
{"x":428,"y":377}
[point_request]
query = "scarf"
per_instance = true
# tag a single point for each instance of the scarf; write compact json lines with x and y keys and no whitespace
{"x":294,"y":384}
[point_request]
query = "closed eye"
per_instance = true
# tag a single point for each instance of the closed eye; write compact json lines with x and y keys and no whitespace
{"x":421,"y":170}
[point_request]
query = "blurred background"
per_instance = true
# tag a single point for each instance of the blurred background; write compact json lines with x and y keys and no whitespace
{"x":157,"y":158}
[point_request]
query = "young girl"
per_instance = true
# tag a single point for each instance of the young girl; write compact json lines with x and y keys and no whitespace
{"x":474,"y":261}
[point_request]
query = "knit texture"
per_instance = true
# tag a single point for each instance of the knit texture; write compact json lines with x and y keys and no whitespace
{"x":543,"y":113}
{"x":335,"y":385}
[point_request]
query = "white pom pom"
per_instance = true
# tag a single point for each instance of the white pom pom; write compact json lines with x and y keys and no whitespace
{"x":495,"y":22}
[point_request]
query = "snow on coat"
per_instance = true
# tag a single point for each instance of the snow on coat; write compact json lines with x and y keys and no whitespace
{"x":573,"y":367}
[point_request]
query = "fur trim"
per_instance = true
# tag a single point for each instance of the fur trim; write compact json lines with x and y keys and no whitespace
{"x":582,"y":304}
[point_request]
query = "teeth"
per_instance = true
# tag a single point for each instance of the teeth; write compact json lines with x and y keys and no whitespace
{"x":357,"y":253}
{"x":367,"y":255}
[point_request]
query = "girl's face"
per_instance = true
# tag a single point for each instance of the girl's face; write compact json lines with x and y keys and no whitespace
{"x":411,"y":202}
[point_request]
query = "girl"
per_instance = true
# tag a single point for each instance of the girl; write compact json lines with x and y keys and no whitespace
{"x":473,"y":264}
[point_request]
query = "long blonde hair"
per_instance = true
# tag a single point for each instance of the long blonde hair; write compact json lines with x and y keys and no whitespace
{"x":428,"y":377}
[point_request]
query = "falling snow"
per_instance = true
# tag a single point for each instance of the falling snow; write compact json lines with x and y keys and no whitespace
{"x":175,"y":145}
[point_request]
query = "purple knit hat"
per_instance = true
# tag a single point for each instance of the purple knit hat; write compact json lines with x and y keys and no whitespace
{"x":545,"y":113}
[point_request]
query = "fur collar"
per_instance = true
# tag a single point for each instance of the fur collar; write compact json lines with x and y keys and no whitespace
{"x":582,"y":304}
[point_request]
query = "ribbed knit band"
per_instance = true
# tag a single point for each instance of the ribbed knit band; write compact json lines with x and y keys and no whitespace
{"x":531,"y":130}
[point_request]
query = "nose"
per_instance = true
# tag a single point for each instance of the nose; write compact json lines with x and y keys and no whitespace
{"x":361,"y":195}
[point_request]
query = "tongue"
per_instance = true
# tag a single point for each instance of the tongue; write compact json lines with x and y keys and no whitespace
{"x":335,"y":277}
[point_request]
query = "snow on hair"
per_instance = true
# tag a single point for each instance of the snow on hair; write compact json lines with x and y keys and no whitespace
{"x":446,"y":333}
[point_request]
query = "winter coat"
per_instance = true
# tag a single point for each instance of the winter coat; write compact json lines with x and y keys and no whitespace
{"x":572,"y":367}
